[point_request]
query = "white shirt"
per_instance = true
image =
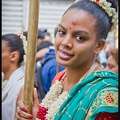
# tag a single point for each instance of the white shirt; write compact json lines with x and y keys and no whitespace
{"x":10,"y":94}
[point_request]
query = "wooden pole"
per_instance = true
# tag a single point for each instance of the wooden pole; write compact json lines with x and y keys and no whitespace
{"x":31,"y":52}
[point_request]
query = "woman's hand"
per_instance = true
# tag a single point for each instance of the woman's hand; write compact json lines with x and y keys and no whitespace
{"x":22,"y":112}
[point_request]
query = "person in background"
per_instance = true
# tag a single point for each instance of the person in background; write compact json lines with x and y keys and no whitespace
{"x":48,"y":37}
{"x":43,"y":47}
{"x":112,"y":62}
{"x":13,"y":80}
{"x":103,"y":55}
{"x":41,"y":36}
{"x":43,"y":40}
{"x":84,"y":90}
{"x":50,"y":68}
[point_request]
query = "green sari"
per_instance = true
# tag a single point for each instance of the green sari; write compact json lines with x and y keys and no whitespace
{"x":94,"y":94}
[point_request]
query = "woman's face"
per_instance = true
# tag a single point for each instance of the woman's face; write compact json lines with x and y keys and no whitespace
{"x":6,"y":56}
{"x":112,"y":65}
{"x":75,"y":41}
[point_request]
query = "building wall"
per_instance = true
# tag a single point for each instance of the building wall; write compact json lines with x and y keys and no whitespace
{"x":15,"y":15}
{"x":12,"y":16}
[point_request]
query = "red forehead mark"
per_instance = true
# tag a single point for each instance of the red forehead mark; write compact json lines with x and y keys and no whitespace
{"x":70,"y":28}
{"x":74,"y":23}
{"x":97,"y":0}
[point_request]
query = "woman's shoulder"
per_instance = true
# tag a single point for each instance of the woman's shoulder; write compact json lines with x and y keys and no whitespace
{"x":106,"y":73}
{"x":58,"y":76}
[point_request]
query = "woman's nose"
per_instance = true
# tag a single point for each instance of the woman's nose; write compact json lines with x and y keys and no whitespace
{"x":67,"y":41}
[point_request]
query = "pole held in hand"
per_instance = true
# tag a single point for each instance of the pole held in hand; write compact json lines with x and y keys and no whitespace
{"x":31,"y":53}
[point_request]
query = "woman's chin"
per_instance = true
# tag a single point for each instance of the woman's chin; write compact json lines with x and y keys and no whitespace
{"x":61,"y":62}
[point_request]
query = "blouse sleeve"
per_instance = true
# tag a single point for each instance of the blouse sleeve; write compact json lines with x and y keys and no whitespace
{"x":107,"y":116}
{"x":58,"y":76}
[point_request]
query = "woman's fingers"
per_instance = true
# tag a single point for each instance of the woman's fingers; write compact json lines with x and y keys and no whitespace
{"x":36,"y":101}
{"x":21,"y":112}
{"x":21,"y":115}
{"x":35,"y":104}
{"x":22,"y":106}
{"x":17,"y":117}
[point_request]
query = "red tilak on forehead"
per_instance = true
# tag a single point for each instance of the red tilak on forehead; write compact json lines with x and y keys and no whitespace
{"x":97,"y":0}
{"x":74,"y":23}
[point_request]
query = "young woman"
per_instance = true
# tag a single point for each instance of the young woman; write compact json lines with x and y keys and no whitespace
{"x":12,"y":57}
{"x":83,"y":91}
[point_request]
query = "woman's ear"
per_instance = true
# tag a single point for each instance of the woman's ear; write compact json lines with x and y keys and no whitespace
{"x":100,"y":46}
{"x":14,"y":56}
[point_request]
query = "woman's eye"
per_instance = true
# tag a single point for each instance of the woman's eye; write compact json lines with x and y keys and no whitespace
{"x":79,"y":38}
{"x":61,"y":32}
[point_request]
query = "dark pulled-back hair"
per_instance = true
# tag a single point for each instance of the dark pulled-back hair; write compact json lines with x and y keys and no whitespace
{"x":103,"y":22}
{"x":15,"y":44}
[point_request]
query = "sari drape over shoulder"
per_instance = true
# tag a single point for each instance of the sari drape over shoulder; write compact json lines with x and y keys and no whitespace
{"x":94,"y":94}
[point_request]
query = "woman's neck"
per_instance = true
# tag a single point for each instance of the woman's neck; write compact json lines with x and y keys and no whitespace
{"x":8,"y":73}
{"x":73,"y":76}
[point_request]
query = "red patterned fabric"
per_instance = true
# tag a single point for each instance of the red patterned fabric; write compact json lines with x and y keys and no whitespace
{"x":107,"y":116}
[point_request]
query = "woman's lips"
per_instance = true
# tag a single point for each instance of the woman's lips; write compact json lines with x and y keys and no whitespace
{"x":64,"y":55}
